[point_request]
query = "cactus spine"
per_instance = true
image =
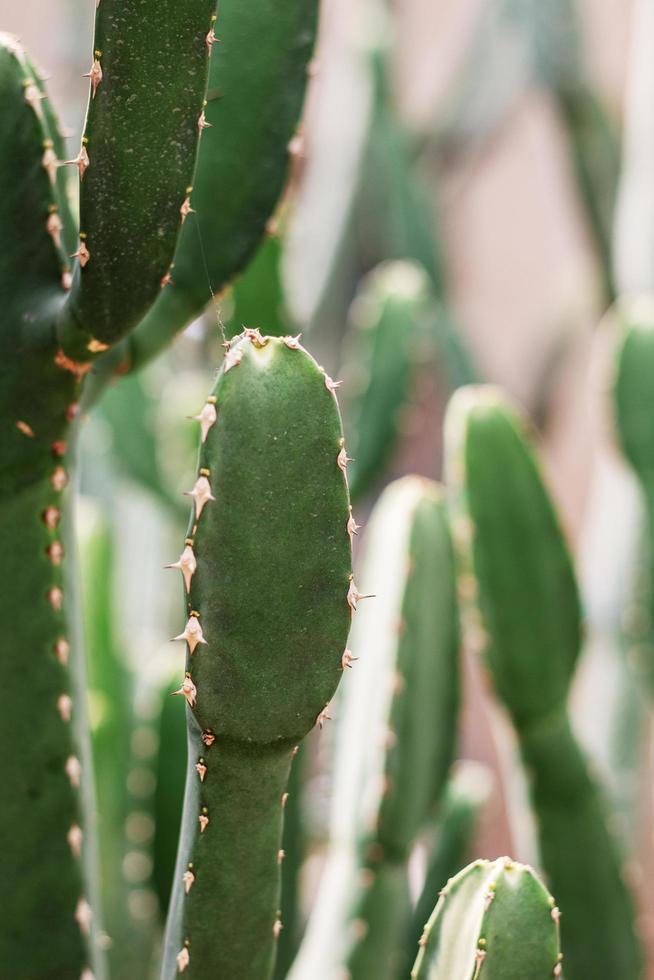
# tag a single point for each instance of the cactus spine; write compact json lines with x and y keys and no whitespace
{"x":494,"y":921}
{"x":269,"y":594}
{"x":396,"y":734}
{"x":528,"y":625}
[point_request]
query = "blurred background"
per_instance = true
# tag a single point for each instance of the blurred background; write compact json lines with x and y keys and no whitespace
{"x":502,"y":145}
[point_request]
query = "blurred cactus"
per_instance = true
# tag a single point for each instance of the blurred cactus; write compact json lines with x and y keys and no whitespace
{"x":527,"y":623}
{"x":494,"y":920}
{"x":396,"y":736}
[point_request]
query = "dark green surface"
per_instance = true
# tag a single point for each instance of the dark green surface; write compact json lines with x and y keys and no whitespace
{"x":530,"y":609}
{"x":493,"y":921}
{"x":169,"y":794}
{"x":271,"y":588}
{"x":295,"y":842}
{"x":258,"y":295}
{"x":255,"y":97}
{"x":142,"y":132}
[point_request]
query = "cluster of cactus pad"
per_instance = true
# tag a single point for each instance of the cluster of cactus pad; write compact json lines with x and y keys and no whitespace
{"x":183,"y":158}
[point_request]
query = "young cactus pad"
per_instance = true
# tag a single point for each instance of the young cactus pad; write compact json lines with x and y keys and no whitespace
{"x":528,"y":624}
{"x":396,"y":719}
{"x":494,"y":921}
{"x":269,"y":597}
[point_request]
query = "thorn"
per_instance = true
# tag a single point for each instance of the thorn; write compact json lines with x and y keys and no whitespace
{"x":82,"y":254}
{"x":96,"y":346}
{"x":76,"y":368}
{"x":201,"y":769}
{"x":207,"y":417}
{"x":49,"y":160}
{"x":66,"y":279}
{"x":284,"y":799}
{"x":232,"y":359}
{"x":186,"y":208}
{"x":556,"y":914}
{"x":55,"y":598}
{"x":59,"y":448}
{"x":33,"y":96}
{"x":75,"y":838}
{"x":293,"y":343}
{"x":352,"y":526}
{"x":295,"y":751}
{"x":323,"y":717}
{"x":54,"y":227}
{"x":343,"y":459}
{"x":188,"y":689}
{"x":87,"y":975}
{"x":51,"y":517}
{"x":84,"y":915}
{"x":277,"y":928}
{"x":26,"y":429}
{"x":183,"y":957}
{"x":331,"y":385}
{"x":295,"y":145}
{"x":188,"y":878}
{"x":202,"y":122}
{"x":73,"y":770}
{"x":81,"y":161}
{"x":347,"y":659}
{"x":58,"y":479}
{"x":166,"y":280}
{"x":55,"y":553}
{"x":187,"y":564}
{"x":211,"y":38}
{"x":95,"y":74}
{"x":203,"y":819}
{"x":254,"y":336}
{"x":72,"y":411}
{"x":192,"y":633}
{"x":353,"y":595}
{"x":65,"y":706}
{"x":281,"y":854}
{"x":208,"y":738}
{"x":201,"y":493}
{"x":62,"y":650}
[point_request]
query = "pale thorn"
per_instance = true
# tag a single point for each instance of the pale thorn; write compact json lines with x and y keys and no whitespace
{"x":208,"y":738}
{"x":51,"y":517}
{"x":331,"y":385}
{"x":187,"y":564}
{"x":201,"y":770}
{"x":558,"y":970}
{"x":55,"y":553}
{"x":96,"y":346}
{"x":58,"y":479}
{"x":192,"y":633}
{"x":56,"y":598}
{"x":323,"y":716}
{"x":95,"y":74}
{"x":73,"y":770}
{"x":183,"y":959}
{"x":166,"y":280}
{"x":253,"y":334}
{"x":281,"y":854}
{"x":284,"y":799}
{"x":54,"y":227}
{"x":277,"y":928}
{"x":82,"y":254}
{"x":188,"y":878}
{"x":83,"y":916}
{"x":347,"y":659}
{"x":87,"y":975}
{"x":62,"y":650}
{"x":343,"y":459}
{"x":202,"y":122}
{"x":81,"y":161}
{"x":201,"y":494}
{"x":186,"y":209}
{"x":556,"y":914}
{"x":75,"y":838}
{"x":207,"y":417}
{"x":480,"y":956}
{"x":66,"y":279}
{"x":188,"y":689}
{"x":210,"y":40}
{"x":293,"y":343}
{"x":353,"y":595}
{"x":50,"y":163}
{"x":232,"y":358}
{"x":26,"y":429}
{"x":33,"y":96}
{"x":352,"y":526}
{"x":296,"y":145}
{"x":203,"y":820}
{"x":65,"y":706}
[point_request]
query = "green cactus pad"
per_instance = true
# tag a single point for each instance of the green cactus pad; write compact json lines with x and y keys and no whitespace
{"x":493,"y":921}
{"x":272,"y":592}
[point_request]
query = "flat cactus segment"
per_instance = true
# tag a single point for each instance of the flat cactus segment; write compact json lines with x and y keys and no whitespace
{"x":528,"y":596}
{"x":268,"y":619}
{"x":254,"y":100}
{"x":148,"y":80}
{"x":388,"y":318}
{"x":493,"y":921}
{"x":395,"y":739}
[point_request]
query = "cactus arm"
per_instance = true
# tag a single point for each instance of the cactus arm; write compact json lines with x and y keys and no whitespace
{"x":493,"y":920}
{"x":148,"y":81}
{"x":388,"y":317}
{"x":255,"y":97}
{"x":530,"y":627}
{"x":274,"y":612}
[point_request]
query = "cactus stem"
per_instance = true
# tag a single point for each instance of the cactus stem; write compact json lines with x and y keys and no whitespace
{"x":201,"y":493}
{"x":26,"y":429}
{"x":188,"y":689}
{"x":186,"y":563}
{"x":83,"y":916}
{"x":192,"y":632}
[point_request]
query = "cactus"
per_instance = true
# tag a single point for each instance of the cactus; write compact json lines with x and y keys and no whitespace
{"x":494,"y":920}
{"x":396,"y":733}
{"x":389,"y":320}
{"x":528,"y":624}
{"x":267,"y":570}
